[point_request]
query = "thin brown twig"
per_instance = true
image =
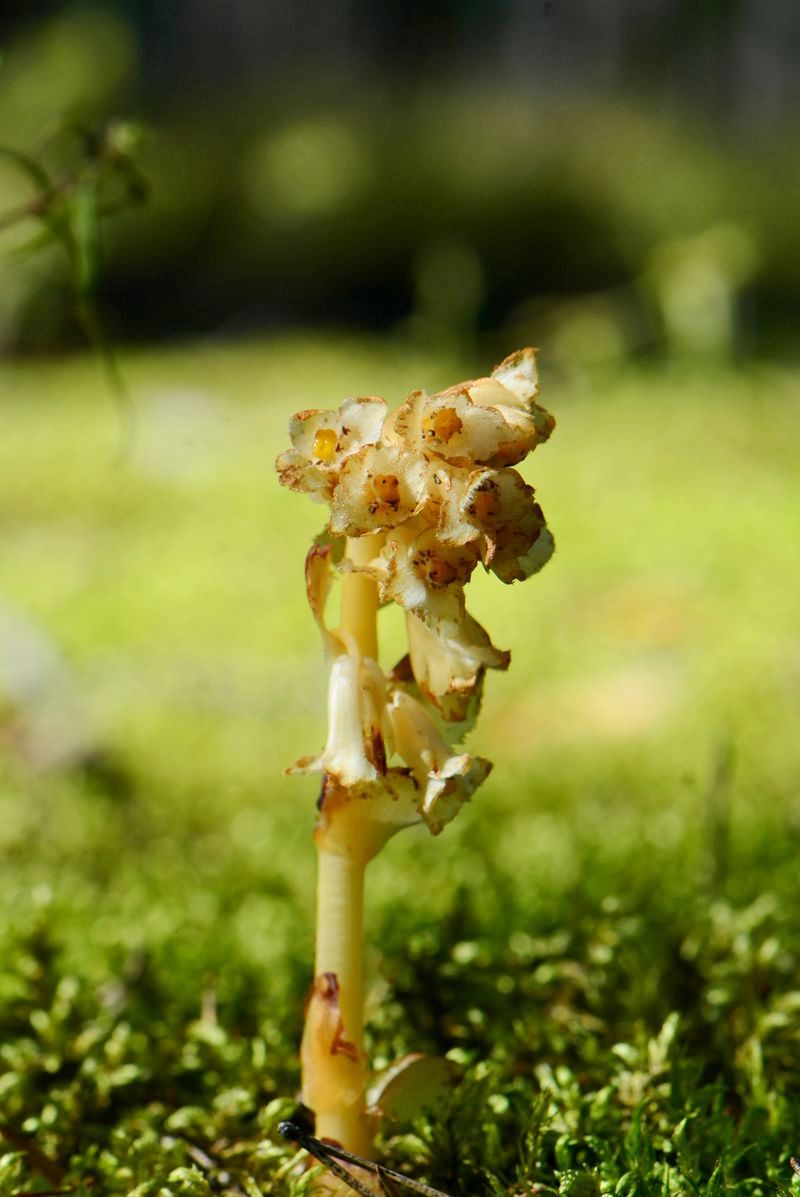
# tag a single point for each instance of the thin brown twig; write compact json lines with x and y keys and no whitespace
{"x":32,"y":210}
{"x":38,"y":206}
{"x":42,"y":1163}
{"x":329,"y":1155}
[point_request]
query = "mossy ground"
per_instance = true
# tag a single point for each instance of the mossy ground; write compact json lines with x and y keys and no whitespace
{"x":606,"y":940}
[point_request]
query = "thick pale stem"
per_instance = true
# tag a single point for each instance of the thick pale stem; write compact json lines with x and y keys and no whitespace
{"x":334,"y":1064}
{"x":340,"y":904}
{"x":340,"y":921}
{"x":360,"y":596}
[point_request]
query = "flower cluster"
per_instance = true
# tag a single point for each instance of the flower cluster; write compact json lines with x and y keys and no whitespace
{"x":433,"y":489}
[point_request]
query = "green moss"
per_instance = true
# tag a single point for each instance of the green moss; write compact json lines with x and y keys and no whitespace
{"x":605,"y":941}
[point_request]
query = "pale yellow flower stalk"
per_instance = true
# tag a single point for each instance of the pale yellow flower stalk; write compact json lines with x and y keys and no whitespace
{"x":418,"y":499}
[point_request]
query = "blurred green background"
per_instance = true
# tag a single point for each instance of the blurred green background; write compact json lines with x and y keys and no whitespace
{"x":617,"y":179}
{"x":368,"y":200}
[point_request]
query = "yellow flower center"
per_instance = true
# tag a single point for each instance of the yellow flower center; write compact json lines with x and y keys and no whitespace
{"x":442,"y":424}
{"x":325,"y":442}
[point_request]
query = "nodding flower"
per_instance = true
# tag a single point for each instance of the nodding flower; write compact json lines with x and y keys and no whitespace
{"x":323,"y":440}
{"x":497,"y":511}
{"x":446,"y":780}
{"x":379,"y":487}
{"x":492,"y":421}
{"x":358,"y":726}
{"x":449,"y":669}
{"x":425,"y":576}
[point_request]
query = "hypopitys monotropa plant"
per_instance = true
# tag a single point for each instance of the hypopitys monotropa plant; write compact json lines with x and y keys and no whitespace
{"x":418,"y":497}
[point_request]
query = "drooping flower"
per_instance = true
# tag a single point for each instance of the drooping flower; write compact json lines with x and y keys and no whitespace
{"x":522,"y":557}
{"x":446,"y":780}
{"x":449,"y":669}
{"x":423,"y":575}
{"x":379,"y":487}
{"x":497,"y":511}
{"x":359,"y":726}
{"x":323,"y":440}
{"x":491,"y":421}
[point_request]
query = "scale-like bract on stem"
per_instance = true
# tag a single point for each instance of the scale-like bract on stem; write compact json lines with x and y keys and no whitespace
{"x":419,"y":498}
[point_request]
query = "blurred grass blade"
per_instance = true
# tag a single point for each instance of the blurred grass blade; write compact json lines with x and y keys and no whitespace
{"x":29,"y":166}
{"x":85,"y":239}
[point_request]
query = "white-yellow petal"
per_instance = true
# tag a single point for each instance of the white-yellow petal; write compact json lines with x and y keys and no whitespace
{"x":319,"y":580}
{"x":518,"y":373}
{"x":516,"y":567}
{"x":323,"y":440}
{"x":425,"y":576}
{"x":446,"y":780}
{"x":485,"y":421}
{"x":325,"y":437}
{"x":451,"y":427}
{"x":453,"y":526}
{"x":500,"y":505}
{"x":297,"y":473}
{"x":379,"y":487}
{"x":451,"y":788}
{"x":449,"y":670}
{"x":358,"y":725}
{"x":496,"y":510}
